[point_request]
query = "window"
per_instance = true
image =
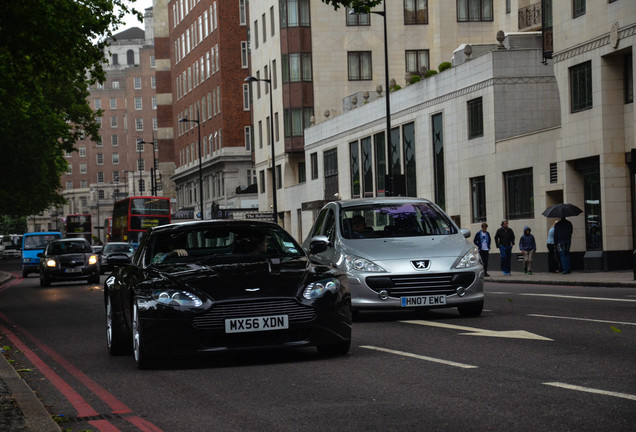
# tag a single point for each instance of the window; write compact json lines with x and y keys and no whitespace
{"x":294,"y":13}
{"x":69,"y":184}
{"x":629,"y":79}
{"x":272,"y":21}
{"x":416,"y":61}
{"x":366,"y":161}
{"x":70,"y":169}
{"x":297,"y":67}
{"x":246,"y":97}
{"x":359,"y":65}
{"x":279,"y":177}
{"x":83,"y":183}
{"x":581,"y":87}
{"x":474,"y":10}
{"x":475,"y":118}
{"x":330,"y":166}
{"x":261,"y":181}
{"x":115,"y":158}
{"x":141,"y":164}
{"x":82,"y":168}
{"x":247,"y":131}
{"x":153,"y":100}
{"x":138,"y":104}
{"x":114,"y":140}
{"x":519,"y":194}
{"x":113,"y":103}
{"x":244,"y":56}
{"x":137,"y":83}
{"x":578,"y":8}
{"x":100,"y":158}
{"x":114,"y":60}
{"x":437,"y":124}
{"x":242,"y":12}
{"x":113,"y":122}
{"x":302,"y":172}
{"x":82,"y":151}
{"x":130,"y":57}
{"x":98,"y":104}
{"x":139,"y":124}
{"x":314,"y":165}
{"x":264,"y":28}
{"x":478,"y":198}
{"x":408,"y":149}
{"x":296,"y":120}
{"x":115,"y":85}
{"x":100,"y":177}
{"x":153,"y":82}
{"x":152,"y":61}
{"x":354,"y":168}
{"x":356,"y":19}
{"x":415,"y":12}
{"x":256,"y":34}
{"x":379,"y":144}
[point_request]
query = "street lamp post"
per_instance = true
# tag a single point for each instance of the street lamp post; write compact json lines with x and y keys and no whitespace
{"x":388,"y":182}
{"x":198,"y":122}
{"x":251,"y":79}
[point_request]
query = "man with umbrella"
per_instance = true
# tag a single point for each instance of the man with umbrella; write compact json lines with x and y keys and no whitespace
{"x":563,"y":230}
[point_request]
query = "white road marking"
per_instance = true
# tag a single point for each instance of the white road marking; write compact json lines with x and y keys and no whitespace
{"x":419,"y":357}
{"x":591,"y":390}
{"x":583,"y":319}
{"x":510,"y":334}
{"x":580,"y":298}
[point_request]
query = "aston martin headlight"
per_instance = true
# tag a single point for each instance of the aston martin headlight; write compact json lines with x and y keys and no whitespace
{"x":173,"y":297}
{"x":471,"y":259}
{"x":361,"y":264}
{"x":321,"y":287}
{"x":92,"y":260}
{"x":51,"y":263}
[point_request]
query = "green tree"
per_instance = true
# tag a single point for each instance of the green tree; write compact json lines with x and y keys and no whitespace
{"x":357,"y":5}
{"x":12,"y":225}
{"x":51,"y":51}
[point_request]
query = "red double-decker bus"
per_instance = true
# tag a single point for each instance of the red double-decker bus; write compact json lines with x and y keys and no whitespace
{"x":78,"y":225}
{"x":133,"y":216}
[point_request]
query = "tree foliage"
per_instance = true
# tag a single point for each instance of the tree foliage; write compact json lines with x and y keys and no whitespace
{"x":357,"y":5}
{"x":51,"y":51}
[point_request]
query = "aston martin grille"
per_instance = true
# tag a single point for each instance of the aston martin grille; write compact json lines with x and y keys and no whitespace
{"x":215,"y":318}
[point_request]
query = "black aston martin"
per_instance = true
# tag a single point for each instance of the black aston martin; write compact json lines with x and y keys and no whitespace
{"x":209,"y":286}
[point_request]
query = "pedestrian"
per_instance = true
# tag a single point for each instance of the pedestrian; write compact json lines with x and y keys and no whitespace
{"x":528,"y":247}
{"x":504,"y":241}
{"x":482,"y":240}
{"x":554,"y":263}
{"x":563,"y":240}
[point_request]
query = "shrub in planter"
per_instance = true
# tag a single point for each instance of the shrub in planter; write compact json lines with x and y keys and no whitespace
{"x":430,"y":73}
{"x":444,"y":65}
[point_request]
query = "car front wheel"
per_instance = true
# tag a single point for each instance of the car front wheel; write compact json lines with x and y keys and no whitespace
{"x":143,"y":357}
{"x":332,"y":350}
{"x":471,"y":309}
{"x":118,"y":342}
{"x":44,"y":280}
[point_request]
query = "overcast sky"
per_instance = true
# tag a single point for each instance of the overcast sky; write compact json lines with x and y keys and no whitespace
{"x":131,"y":20}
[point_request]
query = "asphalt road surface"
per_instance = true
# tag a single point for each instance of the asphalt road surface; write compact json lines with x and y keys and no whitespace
{"x":539,"y":358}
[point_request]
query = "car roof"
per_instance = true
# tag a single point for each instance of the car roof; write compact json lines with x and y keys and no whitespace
{"x":118,"y":243}
{"x":355,"y":202}
{"x":67,"y":240}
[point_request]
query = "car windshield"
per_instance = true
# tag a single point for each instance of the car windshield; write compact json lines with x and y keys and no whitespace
{"x":60,"y":248}
{"x":399,"y":220}
{"x":233,"y":242}
{"x":113,"y":248}
{"x":34,"y":242}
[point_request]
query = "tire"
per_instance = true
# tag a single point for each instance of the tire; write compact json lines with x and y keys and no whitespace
{"x":117,"y":339}
{"x":470,"y":310}
{"x":25,"y":273}
{"x":44,"y":281}
{"x":144,"y":358}
{"x":332,"y":350}
{"x":94,"y":279}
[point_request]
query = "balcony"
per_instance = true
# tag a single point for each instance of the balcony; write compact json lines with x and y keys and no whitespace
{"x":530,"y":17}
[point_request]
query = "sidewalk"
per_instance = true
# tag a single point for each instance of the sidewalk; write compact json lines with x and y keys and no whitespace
{"x":21,"y":410}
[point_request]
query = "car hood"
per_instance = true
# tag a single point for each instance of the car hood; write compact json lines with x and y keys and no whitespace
{"x":223,"y":280}
{"x":394,"y":253}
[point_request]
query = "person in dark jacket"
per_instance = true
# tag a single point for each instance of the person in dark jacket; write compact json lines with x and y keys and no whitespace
{"x":528,"y":247}
{"x":482,"y":240}
{"x":563,"y":240}
{"x":505,"y":240}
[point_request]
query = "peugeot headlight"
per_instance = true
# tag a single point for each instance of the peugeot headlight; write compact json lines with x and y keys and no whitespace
{"x":362,"y":265}
{"x":51,"y":263}
{"x":471,"y":259}
{"x":173,"y":297}
{"x":92,"y":260}
{"x":320,"y":288}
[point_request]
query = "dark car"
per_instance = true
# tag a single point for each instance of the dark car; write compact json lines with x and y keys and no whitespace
{"x":68,"y":260}
{"x":210,"y":286}
{"x":115,"y":251}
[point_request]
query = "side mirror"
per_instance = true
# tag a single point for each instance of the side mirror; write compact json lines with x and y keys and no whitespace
{"x":318,"y":244}
{"x":465,"y":232}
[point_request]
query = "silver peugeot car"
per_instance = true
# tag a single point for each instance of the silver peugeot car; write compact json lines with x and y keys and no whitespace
{"x":400,"y":253}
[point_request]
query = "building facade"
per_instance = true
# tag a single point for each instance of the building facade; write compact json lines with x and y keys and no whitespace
{"x":202,"y":112}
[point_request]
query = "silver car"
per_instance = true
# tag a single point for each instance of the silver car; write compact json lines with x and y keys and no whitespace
{"x":400,"y":253}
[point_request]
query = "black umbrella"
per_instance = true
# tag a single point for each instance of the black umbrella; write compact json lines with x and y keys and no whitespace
{"x":562,"y":210}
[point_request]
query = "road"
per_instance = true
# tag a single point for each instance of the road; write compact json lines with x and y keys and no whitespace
{"x":539,"y":358}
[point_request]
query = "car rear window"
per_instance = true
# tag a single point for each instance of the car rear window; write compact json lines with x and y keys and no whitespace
{"x":400,"y":220}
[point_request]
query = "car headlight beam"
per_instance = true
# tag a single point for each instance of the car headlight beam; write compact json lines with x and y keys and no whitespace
{"x":470,"y":259}
{"x":320,"y":288}
{"x":51,"y":263}
{"x":178,"y":298}
{"x":92,"y":260}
